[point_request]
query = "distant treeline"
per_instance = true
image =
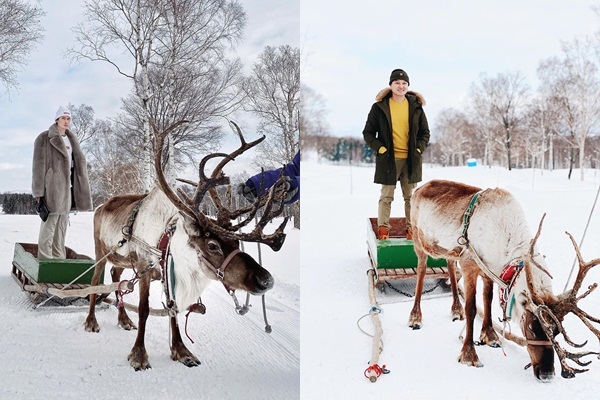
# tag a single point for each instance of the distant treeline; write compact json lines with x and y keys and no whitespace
{"x":17,"y":203}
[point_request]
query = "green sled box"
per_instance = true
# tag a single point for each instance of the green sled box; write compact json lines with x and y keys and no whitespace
{"x":397,"y":251}
{"x":52,"y":270}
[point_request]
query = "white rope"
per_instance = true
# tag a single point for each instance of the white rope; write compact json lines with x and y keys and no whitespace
{"x":484,"y":268}
{"x":583,"y":237}
{"x":114,"y":248}
{"x":376,"y":349}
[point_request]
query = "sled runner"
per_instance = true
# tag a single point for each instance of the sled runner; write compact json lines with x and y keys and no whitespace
{"x":395,"y":258}
{"x":61,"y":278}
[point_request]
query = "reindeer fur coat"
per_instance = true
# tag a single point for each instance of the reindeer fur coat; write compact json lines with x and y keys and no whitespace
{"x":378,"y":132}
{"x":52,"y":172}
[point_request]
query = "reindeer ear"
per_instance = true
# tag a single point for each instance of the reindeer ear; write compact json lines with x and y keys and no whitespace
{"x":191,"y":225}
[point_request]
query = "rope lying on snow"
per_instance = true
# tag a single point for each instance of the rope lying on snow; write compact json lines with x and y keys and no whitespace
{"x":374,"y":371}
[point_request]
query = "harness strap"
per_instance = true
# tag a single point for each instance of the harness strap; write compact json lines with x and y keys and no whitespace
{"x":484,"y":268}
{"x":220,"y":272}
{"x":127,"y":230}
{"x":463,"y":239}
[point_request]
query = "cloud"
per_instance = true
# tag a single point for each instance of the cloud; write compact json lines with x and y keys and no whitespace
{"x":50,"y":80}
{"x":10,"y":166}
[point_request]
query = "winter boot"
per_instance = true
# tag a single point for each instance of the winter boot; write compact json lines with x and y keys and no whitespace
{"x":383,"y":233}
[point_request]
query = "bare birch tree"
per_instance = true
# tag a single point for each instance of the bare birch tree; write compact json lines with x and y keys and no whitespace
{"x":456,"y":137}
{"x":112,"y":171}
{"x":575,"y":84}
{"x":166,"y":42}
{"x":83,"y":123}
{"x":314,"y":128}
{"x":20,"y":30}
{"x":508,"y":95}
{"x":273,"y":94}
{"x":480,"y":105}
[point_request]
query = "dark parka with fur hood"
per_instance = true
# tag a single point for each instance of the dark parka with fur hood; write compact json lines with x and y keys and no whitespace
{"x":378,"y":132}
{"x":51,"y":173}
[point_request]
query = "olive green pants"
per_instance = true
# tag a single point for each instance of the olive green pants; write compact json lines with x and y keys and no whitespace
{"x":387,"y":195}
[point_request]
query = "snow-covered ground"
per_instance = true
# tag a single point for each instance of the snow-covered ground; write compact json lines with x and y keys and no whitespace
{"x":336,"y":202}
{"x":47,"y":354}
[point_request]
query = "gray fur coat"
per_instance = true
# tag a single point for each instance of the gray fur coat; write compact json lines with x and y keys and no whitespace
{"x":51,"y":173}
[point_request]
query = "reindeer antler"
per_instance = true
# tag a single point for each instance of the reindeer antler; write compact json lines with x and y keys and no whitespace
{"x":535,"y":297}
{"x":552,"y":315}
{"x":222,"y":227}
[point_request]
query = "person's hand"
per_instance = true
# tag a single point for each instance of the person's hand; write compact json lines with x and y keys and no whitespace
{"x":289,"y":195}
{"x":382,"y":150}
{"x":247,"y":192}
{"x":37,"y":199}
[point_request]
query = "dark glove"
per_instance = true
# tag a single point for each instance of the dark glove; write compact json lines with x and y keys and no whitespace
{"x":247,"y":191}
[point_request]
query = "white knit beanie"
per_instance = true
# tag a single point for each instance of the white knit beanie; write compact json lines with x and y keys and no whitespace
{"x":62,"y":112}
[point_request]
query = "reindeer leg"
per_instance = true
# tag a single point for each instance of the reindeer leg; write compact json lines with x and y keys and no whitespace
{"x":458,"y":312}
{"x":138,"y":357}
{"x":91,"y":324}
{"x":468,"y":355}
{"x":178,"y":350}
{"x":123,"y":319}
{"x":488,"y":334}
{"x":415,"y":320}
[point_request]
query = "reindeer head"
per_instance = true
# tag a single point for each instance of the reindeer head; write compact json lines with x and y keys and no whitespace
{"x":222,"y":259}
{"x":217,"y":242}
{"x":544,"y":314}
{"x":539,"y":347}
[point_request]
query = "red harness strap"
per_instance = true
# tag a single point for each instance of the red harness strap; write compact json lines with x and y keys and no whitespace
{"x":509,"y":275}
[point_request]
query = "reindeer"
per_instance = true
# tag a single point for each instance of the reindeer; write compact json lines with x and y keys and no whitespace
{"x":203,"y":249}
{"x":491,"y":239}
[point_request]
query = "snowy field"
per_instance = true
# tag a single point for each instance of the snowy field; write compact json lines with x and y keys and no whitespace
{"x":47,"y":354}
{"x":337,"y":200}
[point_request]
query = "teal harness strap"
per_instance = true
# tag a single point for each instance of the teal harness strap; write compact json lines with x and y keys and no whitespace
{"x":128,"y":229}
{"x":172,"y":277}
{"x":463,"y":239}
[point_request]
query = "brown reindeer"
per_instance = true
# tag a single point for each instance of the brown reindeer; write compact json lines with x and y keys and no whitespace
{"x":487,"y":233}
{"x":203,"y":249}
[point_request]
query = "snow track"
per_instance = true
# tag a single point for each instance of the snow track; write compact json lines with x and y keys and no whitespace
{"x":47,"y":354}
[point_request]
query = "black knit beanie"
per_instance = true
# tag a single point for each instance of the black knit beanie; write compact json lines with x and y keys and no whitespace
{"x":399,"y":74}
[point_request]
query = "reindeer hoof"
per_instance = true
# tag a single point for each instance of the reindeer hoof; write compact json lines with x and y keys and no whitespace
{"x":415,"y":325}
{"x":91,"y":325}
{"x":184,"y":356}
{"x":458,"y":315}
{"x":127,"y":325}
{"x":138,"y":359}
{"x":470,"y":362}
{"x":190,"y":362}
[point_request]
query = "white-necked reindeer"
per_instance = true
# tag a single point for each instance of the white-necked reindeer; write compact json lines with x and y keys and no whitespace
{"x":202,"y":249}
{"x":486,"y":231}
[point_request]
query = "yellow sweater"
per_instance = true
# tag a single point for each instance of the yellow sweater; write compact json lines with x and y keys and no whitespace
{"x":399,"y":114}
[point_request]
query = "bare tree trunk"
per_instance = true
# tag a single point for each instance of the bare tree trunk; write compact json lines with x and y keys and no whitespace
{"x":508,"y":155}
{"x":582,"y":156}
{"x":571,"y":161}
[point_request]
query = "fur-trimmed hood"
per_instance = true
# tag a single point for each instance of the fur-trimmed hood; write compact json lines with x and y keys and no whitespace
{"x":386,"y":91}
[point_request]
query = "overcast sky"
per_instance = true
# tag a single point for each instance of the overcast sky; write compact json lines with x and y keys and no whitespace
{"x":48,"y":80}
{"x":349,"y":51}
